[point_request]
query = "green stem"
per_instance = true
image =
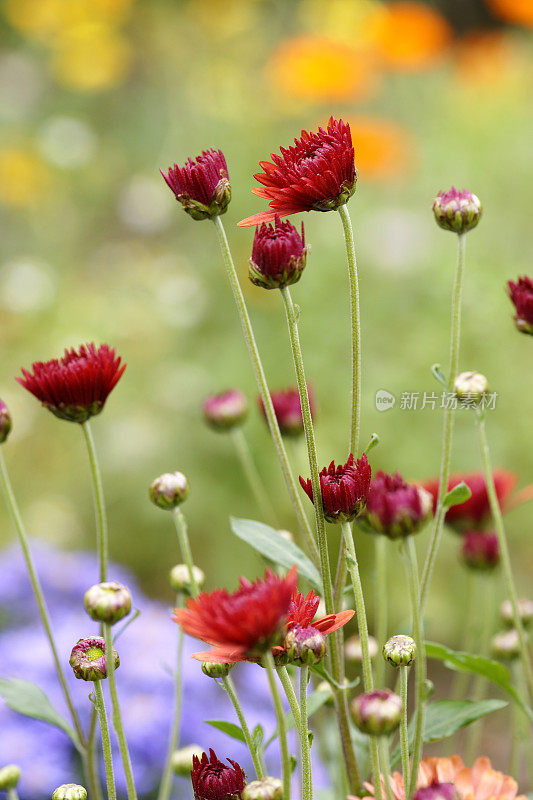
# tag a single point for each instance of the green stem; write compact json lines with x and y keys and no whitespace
{"x":447,"y":433}
{"x":385,"y":765}
{"x":233,"y":696}
{"x":94,"y":782}
{"x":420,"y":664}
{"x":166,"y":778}
{"x":38,"y":592}
{"x":12,"y":794}
{"x":290,"y":694}
{"x":102,"y":537}
{"x":292,"y":322}
{"x":106,"y":742}
{"x":381,"y":601}
{"x":504,"y":552}
{"x":404,"y":731}
{"x":252,"y":475}
{"x":307,"y":775}
{"x":185,"y":547}
{"x":473,"y":606}
{"x":355,"y":328}
{"x":117,"y":717}
{"x":263,"y":387}
{"x":268,"y":663}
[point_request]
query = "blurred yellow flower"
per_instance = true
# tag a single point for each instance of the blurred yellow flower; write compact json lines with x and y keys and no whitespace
{"x":44,"y":19}
{"x":519,"y":11}
{"x":383,"y":148}
{"x":91,"y":57}
{"x":318,"y":68}
{"x":223,"y":18}
{"x":341,"y":19}
{"x":409,"y":36}
{"x":23,"y":178}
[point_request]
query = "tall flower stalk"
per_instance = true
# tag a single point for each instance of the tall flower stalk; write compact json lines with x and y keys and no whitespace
{"x":102,"y":532}
{"x":174,"y":737}
{"x":252,"y":475}
{"x":106,"y":741}
{"x":307,"y":777}
{"x":268,"y":663}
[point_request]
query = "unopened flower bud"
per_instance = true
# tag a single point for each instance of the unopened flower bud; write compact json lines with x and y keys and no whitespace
{"x":108,"y":602}
{"x":396,"y":508}
{"x":216,"y":669}
{"x":521,"y":295}
{"x":480,"y":550}
{"x":70,"y":791}
{"x":9,"y":777}
{"x":506,"y":645}
{"x":201,"y":186}
{"x":180,"y":580}
{"x":88,"y":659}
{"x":457,"y":211}
{"x":265,"y":789}
{"x":279,"y":255}
{"x":471,"y":386}
{"x":525,"y":611}
{"x":437,"y":791}
{"x":305,"y":646}
{"x":400,"y":651}
{"x":169,"y":490}
{"x":353,"y":651}
{"x":225,"y":410}
{"x":5,"y":422}
{"x":181,"y":760}
{"x":377,"y":713}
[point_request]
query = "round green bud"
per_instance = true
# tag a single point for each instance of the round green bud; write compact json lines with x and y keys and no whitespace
{"x":399,"y":651}
{"x":179,"y":578}
{"x":305,"y":646}
{"x":70,"y":791}
{"x":108,"y":602}
{"x":169,"y":490}
{"x":216,"y":669}
{"x":265,"y":789}
{"x":88,"y":659}
{"x":181,"y":760}
{"x":457,"y":210}
{"x":471,"y":386}
{"x":377,"y":713}
{"x":5,"y":422}
{"x":525,"y":612}
{"x":353,"y":651}
{"x":506,"y":645}
{"x":9,"y":777}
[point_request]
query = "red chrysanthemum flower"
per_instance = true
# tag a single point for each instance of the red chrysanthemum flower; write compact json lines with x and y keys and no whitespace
{"x":76,"y":386}
{"x":201,"y":186}
{"x":521,"y":294}
{"x":317,"y":173}
{"x":302,"y":612}
{"x":344,"y":489}
{"x":480,"y":550}
{"x":279,"y":255}
{"x":474,"y":512}
{"x":214,"y":780}
{"x":396,"y":508}
{"x":243,"y":624}
{"x":288,"y":410}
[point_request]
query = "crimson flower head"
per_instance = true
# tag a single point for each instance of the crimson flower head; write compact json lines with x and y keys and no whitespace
{"x":474,"y":512}
{"x":76,"y":386}
{"x":214,"y":780}
{"x":243,"y":624}
{"x":521,"y":294}
{"x":457,"y":210}
{"x":480,"y":550}
{"x":201,"y":186}
{"x":344,"y":489}
{"x":317,"y":173}
{"x":225,"y":410}
{"x":278,"y":255}
{"x":396,"y":508}
{"x":288,"y":410}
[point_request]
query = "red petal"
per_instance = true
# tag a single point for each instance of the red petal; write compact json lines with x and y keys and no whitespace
{"x":333,"y":622}
{"x":220,"y":656}
{"x":257,"y":219}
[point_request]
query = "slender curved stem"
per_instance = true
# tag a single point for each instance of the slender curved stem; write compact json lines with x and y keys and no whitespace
{"x":234,"y":697}
{"x":504,"y":552}
{"x":185,"y":547}
{"x":340,"y":704}
{"x":102,"y":536}
{"x":381,"y":601}
{"x":404,"y":732}
{"x":252,"y":475}
{"x":117,"y":717}
{"x":263,"y":388}
{"x":307,"y":775}
{"x":447,"y":433}
{"x":290,"y":694}
{"x":166,"y":778}
{"x":106,"y":742}
{"x":355,"y":328}
{"x":268,"y":663}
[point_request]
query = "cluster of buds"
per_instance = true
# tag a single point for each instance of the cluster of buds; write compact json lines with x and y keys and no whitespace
{"x":9,"y":777}
{"x":88,"y":659}
{"x":70,"y":791}
{"x":457,"y":210}
{"x":279,"y":255}
{"x":108,"y":602}
{"x":480,"y":550}
{"x":5,"y":422}
{"x":399,"y":651}
{"x":525,"y":611}
{"x":471,"y":387}
{"x":180,"y":580}
{"x":169,"y":490}
{"x":225,"y":410}
{"x":395,"y":508}
{"x":377,"y":713}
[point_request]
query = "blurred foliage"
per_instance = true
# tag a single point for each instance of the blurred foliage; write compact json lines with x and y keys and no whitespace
{"x":96,"y":96}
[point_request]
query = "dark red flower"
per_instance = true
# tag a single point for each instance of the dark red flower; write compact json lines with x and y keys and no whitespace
{"x":214,"y":780}
{"x":316,"y":173}
{"x":474,"y":512}
{"x":396,"y":508}
{"x":76,"y":386}
{"x":243,"y":624}
{"x":521,"y":294}
{"x":288,"y":410}
{"x":201,"y":186}
{"x":278,"y":255}
{"x":226,"y":410}
{"x":344,"y":489}
{"x":480,"y":550}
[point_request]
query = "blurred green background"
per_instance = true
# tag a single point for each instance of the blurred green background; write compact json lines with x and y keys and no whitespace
{"x":97,"y":95}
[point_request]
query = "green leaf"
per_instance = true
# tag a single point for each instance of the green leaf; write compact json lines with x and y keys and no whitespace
{"x":459,"y":494}
{"x":437,"y":374}
{"x":372,"y":442}
{"x":478,"y":665}
{"x":229,"y":728}
{"x":315,"y":701}
{"x":271,"y":544}
{"x":319,"y":669}
{"x":26,"y":698}
{"x":258,"y":735}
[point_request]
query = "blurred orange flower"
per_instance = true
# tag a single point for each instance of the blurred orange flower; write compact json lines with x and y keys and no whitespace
{"x":23,"y":178}
{"x":383,"y":148}
{"x":409,"y":36}
{"x":519,"y":11}
{"x":318,"y":68}
{"x":488,"y":59}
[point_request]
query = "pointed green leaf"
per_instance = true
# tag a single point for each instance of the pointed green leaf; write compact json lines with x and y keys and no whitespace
{"x":459,"y":494}
{"x":229,"y":728}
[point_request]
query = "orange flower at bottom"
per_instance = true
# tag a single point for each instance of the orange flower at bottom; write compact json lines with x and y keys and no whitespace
{"x":481,"y":782}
